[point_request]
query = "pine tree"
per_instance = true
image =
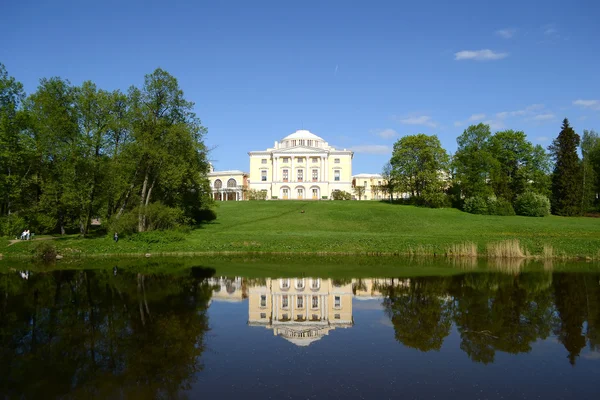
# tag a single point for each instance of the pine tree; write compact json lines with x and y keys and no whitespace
{"x":566,"y":178}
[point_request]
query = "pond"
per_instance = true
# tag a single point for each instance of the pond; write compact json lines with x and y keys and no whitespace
{"x":195,"y":331}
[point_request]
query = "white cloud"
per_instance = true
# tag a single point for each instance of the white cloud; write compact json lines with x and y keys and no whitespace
{"x":479,"y":55}
{"x":495,"y":124}
{"x":372,"y":149}
{"x":477,"y":117}
{"x":458,"y":124}
{"x":529,"y":110}
{"x":593,"y":104}
{"x":506,"y":33}
{"x":419,"y":120}
{"x":542,"y":139}
{"x":549,"y":29}
{"x":544,"y":117}
{"x":386,"y":133}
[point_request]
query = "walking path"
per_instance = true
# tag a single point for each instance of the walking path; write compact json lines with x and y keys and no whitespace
{"x":13,"y":241}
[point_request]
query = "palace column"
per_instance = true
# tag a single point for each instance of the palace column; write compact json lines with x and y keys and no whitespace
{"x":292,"y":297}
{"x":291,"y":175}
{"x":275,"y":171}
{"x":326,"y":169}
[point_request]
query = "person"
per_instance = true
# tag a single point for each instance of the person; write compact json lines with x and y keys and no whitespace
{"x":24,"y":235}
{"x":116,"y":237}
{"x":28,"y":234}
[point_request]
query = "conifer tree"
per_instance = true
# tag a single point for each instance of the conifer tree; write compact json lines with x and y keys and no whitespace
{"x":566,"y":178}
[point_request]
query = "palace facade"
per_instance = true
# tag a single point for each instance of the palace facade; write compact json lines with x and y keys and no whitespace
{"x":301,"y":166}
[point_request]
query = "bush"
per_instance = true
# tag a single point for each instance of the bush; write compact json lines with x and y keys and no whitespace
{"x":340,"y":195}
{"x":476,"y":205}
{"x":499,"y":207}
{"x":532,"y":205}
{"x":45,"y":251}
{"x":435,"y":199}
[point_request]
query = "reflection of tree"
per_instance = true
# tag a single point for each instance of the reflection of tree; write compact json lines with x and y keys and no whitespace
{"x":497,"y":312}
{"x":93,"y":334}
{"x":571,"y":305}
{"x":420,"y":313}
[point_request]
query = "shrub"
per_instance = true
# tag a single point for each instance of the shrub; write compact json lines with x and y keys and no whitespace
{"x":324,"y":197}
{"x":435,"y":199}
{"x":532,"y":205}
{"x":340,"y":195}
{"x":45,"y":251}
{"x":476,"y":205}
{"x":499,"y":207}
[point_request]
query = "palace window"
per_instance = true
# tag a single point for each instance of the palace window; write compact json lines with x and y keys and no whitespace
{"x":285,"y":175}
{"x":231,"y":183}
{"x":336,"y":175}
{"x":284,"y":301}
{"x":293,"y":142}
{"x":310,"y":143}
{"x":301,"y":142}
{"x":299,"y":283}
{"x":300,"y":175}
{"x":263,"y":300}
{"x":315,"y":301}
{"x":300,"y":159}
{"x":315,"y":317}
{"x":263,"y":175}
{"x":315,"y":175}
{"x":263,"y":161}
{"x":336,"y":160}
{"x":315,"y":283}
{"x":365,"y":183}
{"x":263,"y":315}
{"x":285,"y":159}
{"x":316,"y":143}
{"x":300,"y":302}
{"x":315,"y":160}
{"x":379,"y":183}
{"x":337,"y":302}
{"x":336,"y":316}
{"x":218,"y":184}
{"x":285,"y":284}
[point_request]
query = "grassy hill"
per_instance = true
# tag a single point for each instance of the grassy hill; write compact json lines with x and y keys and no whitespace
{"x":349,"y":227}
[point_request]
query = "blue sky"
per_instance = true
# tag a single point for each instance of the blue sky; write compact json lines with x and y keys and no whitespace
{"x":359,"y":74}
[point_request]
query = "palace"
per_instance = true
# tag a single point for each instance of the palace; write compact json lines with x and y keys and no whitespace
{"x":301,"y":166}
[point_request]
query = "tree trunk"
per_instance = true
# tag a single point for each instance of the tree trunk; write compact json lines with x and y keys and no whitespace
{"x":142,"y":211}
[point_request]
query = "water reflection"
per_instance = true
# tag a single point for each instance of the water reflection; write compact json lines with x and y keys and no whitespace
{"x":121,"y":333}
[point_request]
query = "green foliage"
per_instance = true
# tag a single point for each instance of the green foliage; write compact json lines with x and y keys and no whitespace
{"x":419,"y":166}
{"x":324,"y":197}
{"x":69,"y":153}
{"x":340,"y":195}
{"x":532,"y":205}
{"x":500,"y":207}
{"x":473,"y":161}
{"x":12,"y":225}
{"x":567,"y":175}
{"x":476,"y":205}
{"x":254,"y":194}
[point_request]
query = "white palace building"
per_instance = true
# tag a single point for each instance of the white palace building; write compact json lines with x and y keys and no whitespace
{"x":301,"y":166}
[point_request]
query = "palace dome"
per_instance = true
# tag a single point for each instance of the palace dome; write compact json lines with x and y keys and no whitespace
{"x":302,"y":134}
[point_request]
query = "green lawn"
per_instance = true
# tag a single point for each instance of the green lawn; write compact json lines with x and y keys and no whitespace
{"x":348,"y":227}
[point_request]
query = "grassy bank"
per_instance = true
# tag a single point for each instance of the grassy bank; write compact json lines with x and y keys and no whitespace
{"x":351,"y":227}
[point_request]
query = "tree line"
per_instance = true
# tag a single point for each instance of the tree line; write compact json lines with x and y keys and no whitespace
{"x":69,"y":154}
{"x":498,"y":173}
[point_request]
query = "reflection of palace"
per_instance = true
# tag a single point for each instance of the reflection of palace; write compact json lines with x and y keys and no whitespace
{"x":302,"y":310}
{"x":227,"y":289}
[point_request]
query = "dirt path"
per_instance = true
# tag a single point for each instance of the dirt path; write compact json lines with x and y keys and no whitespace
{"x":13,"y":241}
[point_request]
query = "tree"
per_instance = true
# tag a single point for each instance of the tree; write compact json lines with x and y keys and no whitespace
{"x":170,"y":154}
{"x":473,"y":161}
{"x":389,"y":181}
{"x":567,"y":175}
{"x":15,"y":150}
{"x":419,"y":164}
{"x":590,"y":156}
{"x":358,"y":190}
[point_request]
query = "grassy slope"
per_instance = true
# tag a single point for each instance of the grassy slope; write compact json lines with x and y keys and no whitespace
{"x":353,"y":226}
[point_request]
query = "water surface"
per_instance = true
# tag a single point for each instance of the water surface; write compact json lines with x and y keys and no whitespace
{"x":123,"y":333}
